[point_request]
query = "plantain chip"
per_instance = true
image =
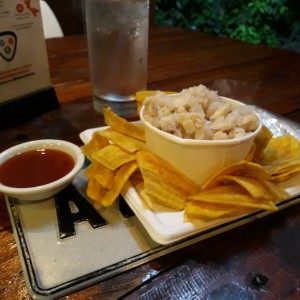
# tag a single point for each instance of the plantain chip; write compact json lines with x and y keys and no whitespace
{"x":277,"y":191}
{"x":234,"y":196}
{"x":282,"y":158}
{"x":283,"y":169}
{"x":112,"y":156}
{"x":151,"y":164}
{"x":253,"y":186}
{"x":260,"y":143}
{"x":285,"y":146}
{"x":141,"y":191}
{"x":94,"y":190}
{"x":161,"y":192}
{"x":125,"y":142}
{"x":163,"y":183}
{"x":250,"y":155}
{"x":241,"y":168}
{"x":210,"y":211}
{"x":103,"y":175}
{"x":120,"y":178}
{"x":123,"y":126}
{"x":96,"y":143}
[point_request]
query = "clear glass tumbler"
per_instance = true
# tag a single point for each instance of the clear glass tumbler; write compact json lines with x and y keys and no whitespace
{"x":117,"y":33}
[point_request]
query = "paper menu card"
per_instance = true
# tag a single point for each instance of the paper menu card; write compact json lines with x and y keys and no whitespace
{"x":23,"y":56}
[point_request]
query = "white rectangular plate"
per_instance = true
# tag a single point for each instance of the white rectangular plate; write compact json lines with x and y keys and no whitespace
{"x":166,"y":226}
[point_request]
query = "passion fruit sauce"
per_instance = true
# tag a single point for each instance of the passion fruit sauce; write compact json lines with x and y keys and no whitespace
{"x":36,"y":167}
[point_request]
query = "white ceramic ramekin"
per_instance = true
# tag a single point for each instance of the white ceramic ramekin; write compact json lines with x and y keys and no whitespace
{"x":47,"y":190}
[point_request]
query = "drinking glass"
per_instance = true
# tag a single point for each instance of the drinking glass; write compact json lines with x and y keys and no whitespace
{"x":117,"y":33}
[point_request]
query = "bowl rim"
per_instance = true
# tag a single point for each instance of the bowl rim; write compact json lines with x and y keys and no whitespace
{"x":192,"y":142}
{"x":77,"y":155}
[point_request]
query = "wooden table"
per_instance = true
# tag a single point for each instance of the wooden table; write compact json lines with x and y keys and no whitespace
{"x":260,"y":260}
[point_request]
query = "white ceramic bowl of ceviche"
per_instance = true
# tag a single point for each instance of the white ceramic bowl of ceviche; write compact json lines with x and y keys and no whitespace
{"x":198,"y":159}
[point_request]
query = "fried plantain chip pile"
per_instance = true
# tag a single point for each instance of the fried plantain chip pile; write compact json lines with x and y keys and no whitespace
{"x":238,"y":188}
{"x":113,"y":158}
{"x":119,"y":154}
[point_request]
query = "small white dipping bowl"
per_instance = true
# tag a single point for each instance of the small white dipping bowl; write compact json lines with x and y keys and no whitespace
{"x":45,"y":191}
{"x":197,"y":159}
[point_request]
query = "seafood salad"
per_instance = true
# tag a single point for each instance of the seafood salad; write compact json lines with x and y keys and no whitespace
{"x":201,"y":114}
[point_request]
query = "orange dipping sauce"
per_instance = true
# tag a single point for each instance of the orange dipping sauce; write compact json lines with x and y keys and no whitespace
{"x":35,"y":168}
